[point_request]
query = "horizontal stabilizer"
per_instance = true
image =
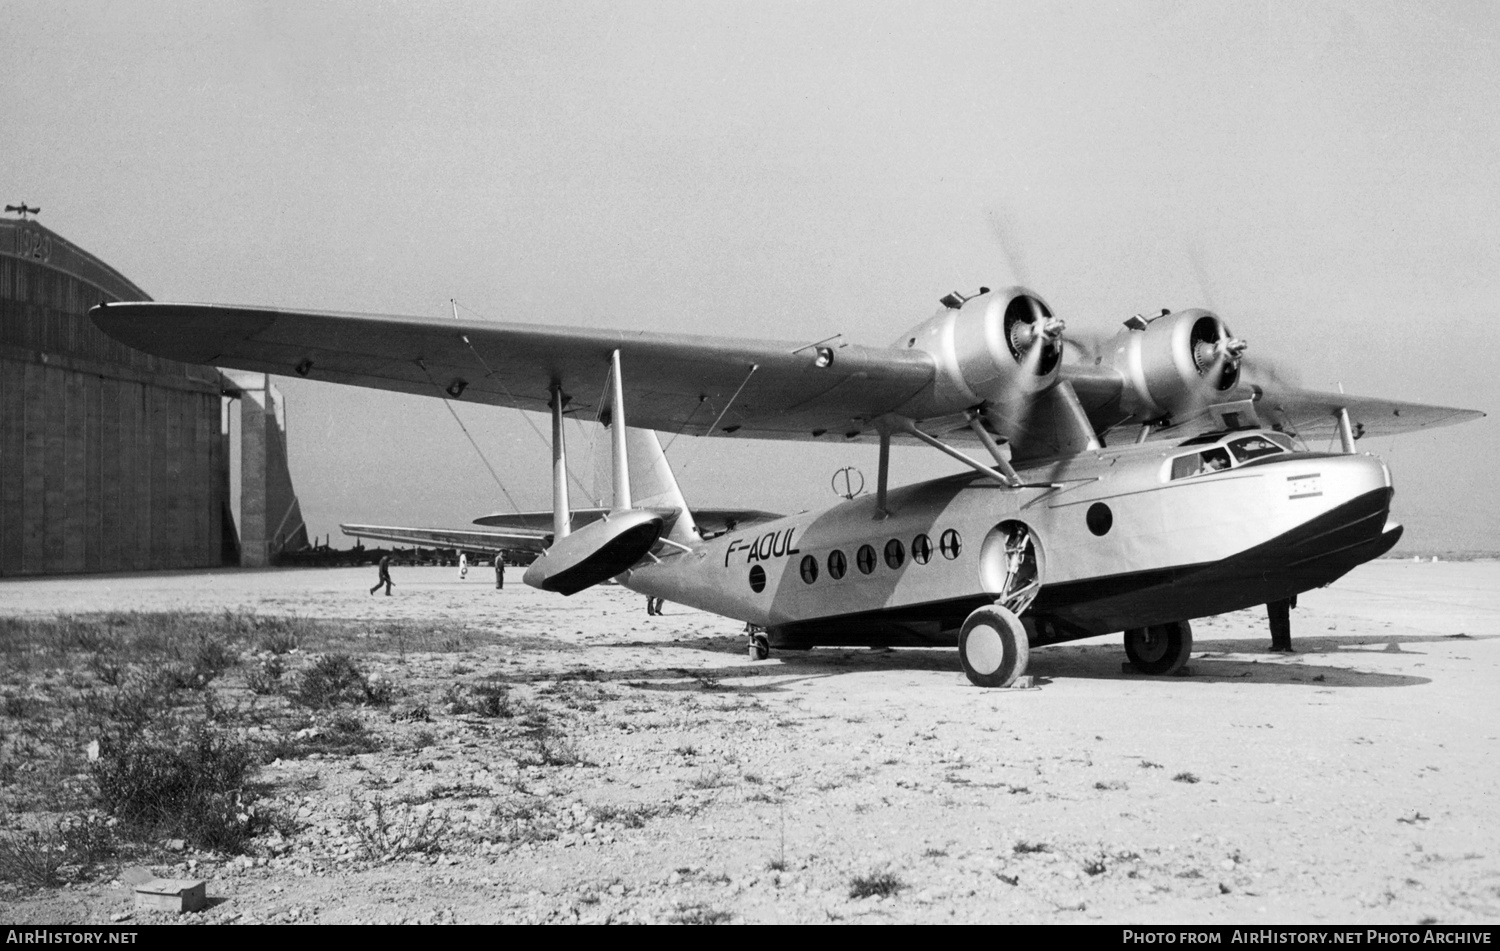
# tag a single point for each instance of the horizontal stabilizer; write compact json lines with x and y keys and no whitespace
{"x":466,"y":539}
{"x":712,"y":521}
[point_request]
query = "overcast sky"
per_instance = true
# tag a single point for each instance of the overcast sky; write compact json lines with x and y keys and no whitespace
{"x":1322,"y":174}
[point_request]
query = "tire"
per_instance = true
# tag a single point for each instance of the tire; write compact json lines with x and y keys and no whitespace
{"x":992,"y":647}
{"x":760,"y":647}
{"x":1161,"y":649}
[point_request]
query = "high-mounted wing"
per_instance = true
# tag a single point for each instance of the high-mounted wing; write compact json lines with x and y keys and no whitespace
{"x":674,"y":383}
{"x":1313,"y":415}
{"x":466,"y":539}
{"x":1173,"y":370}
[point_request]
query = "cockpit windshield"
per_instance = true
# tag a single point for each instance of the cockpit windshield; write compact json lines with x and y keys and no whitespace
{"x":1209,"y":460}
{"x":1251,"y":447}
{"x":1232,"y":452}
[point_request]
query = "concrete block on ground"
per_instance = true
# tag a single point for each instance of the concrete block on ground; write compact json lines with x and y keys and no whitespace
{"x":176,"y":895}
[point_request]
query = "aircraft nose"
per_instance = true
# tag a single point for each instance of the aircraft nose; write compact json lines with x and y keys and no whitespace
{"x":1336,"y":479}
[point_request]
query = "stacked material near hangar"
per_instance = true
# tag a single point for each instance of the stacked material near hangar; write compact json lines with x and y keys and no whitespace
{"x":110,"y":459}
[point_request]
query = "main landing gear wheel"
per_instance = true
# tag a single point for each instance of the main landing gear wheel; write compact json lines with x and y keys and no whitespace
{"x":760,"y":646}
{"x":1161,"y":649}
{"x":993,"y":648}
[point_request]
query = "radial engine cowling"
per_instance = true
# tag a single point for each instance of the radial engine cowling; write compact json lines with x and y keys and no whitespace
{"x":990,"y":347}
{"x":1177,"y":365}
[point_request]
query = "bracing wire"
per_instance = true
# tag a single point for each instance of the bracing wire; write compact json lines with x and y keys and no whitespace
{"x":480,"y":452}
{"x":753,"y":368}
{"x":491,"y":374}
{"x":701,"y":401}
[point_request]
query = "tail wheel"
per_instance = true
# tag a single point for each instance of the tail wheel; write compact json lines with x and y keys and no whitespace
{"x":992,"y":647}
{"x":1161,"y":649}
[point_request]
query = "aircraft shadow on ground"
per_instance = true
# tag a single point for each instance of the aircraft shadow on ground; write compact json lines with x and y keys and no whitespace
{"x":1095,"y":662}
{"x":1104,"y":663}
{"x":1335,"y":643}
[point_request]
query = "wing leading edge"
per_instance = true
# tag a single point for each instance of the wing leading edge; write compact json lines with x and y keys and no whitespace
{"x":675,"y":383}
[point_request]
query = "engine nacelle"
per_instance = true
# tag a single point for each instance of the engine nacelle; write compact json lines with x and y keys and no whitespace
{"x":989,"y":348}
{"x":1177,"y":365}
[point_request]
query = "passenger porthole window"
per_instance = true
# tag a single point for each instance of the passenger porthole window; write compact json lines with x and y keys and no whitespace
{"x":895,"y":553}
{"x":757,"y":579}
{"x":865,"y":559}
{"x":921,"y":549}
{"x":837,"y":564}
{"x":1099,"y":518}
{"x":809,"y":569}
{"x":950,"y":544}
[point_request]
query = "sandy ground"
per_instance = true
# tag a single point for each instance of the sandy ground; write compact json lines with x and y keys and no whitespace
{"x":1352,"y":782}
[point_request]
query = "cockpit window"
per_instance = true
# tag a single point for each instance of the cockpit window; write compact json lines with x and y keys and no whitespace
{"x":1251,"y":447}
{"x":1209,"y":460}
{"x":1235,"y":451}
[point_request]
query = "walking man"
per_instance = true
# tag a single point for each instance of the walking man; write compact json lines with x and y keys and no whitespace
{"x":385,"y":576}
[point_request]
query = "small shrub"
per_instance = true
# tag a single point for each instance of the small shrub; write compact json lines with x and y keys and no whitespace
{"x":1022,"y":847}
{"x":278,"y":637}
{"x":699,"y":915}
{"x":108,"y":672}
{"x":492,"y":700}
{"x":88,"y":839}
{"x":882,"y":884}
{"x":552,"y":747}
{"x":334,"y":679}
{"x":32,"y":859}
{"x":487,"y":699}
{"x":18,"y":707}
{"x":211,"y":656}
{"x":183,"y":783}
{"x":343,"y":735}
{"x":631,"y":817}
{"x":1185,"y":778}
{"x":389,"y":832}
{"x":266,"y":679}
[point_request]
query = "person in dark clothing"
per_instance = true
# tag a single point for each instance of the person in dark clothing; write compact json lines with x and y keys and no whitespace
{"x":385,"y":576}
{"x":499,"y":572}
{"x":653,"y":606}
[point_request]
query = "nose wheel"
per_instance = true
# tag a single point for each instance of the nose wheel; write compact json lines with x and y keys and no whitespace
{"x":992,"y":647}
{"x":1160,"y":649}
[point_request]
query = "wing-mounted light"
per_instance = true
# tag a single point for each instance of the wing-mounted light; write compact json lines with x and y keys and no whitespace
{"x":1177,"y":365}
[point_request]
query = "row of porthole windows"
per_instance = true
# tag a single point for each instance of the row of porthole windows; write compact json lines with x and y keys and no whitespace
{"x":950,"y":544}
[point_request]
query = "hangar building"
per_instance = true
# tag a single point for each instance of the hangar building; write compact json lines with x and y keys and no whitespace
{"x":115,"y":460}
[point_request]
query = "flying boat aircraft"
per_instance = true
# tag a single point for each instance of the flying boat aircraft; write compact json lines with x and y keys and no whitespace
{"x":1128,"y":487}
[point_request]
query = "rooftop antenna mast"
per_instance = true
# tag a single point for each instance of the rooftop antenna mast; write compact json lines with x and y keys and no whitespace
{"x":23,"y":210}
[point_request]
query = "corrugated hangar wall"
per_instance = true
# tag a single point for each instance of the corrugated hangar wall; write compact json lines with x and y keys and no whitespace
{"x":110,"y":459}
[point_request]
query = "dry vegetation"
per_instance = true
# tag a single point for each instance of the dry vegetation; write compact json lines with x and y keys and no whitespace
{"x":126,"y":737}
{"x":164,"y":739}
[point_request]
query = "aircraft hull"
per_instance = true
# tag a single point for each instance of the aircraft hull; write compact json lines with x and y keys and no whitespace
{"x":1190,"y":548}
